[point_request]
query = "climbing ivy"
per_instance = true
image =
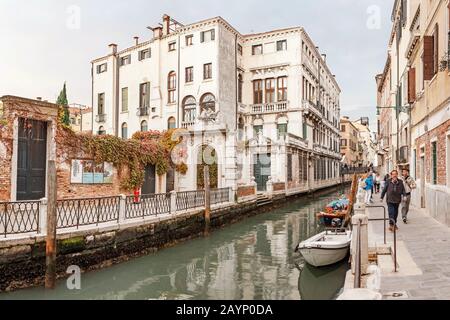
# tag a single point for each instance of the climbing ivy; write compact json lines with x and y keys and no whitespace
{"x":143,"y":149}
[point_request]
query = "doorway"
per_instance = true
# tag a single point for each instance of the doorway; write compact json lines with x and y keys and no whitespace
{"x":149,"y":186}
{"x":31,"y":159}
{"x":262,"y":171}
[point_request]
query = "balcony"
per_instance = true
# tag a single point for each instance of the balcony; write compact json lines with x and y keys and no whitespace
{"x":311,"y":108}
{"x":269,"y":107}
{"x":143,"y":111}
{"x":100,"y":118}
{"x":242,"y":108}
{"x":187,"y":124}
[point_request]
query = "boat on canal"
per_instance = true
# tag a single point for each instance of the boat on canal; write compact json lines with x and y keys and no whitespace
{"x":326,"y":248}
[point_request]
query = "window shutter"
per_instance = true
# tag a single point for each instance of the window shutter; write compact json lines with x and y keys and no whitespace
{"x":202,"y":36}
{"x":428,"y":58}
{"x":412,"y":85}
{"x":436,"y":49}
{"x":213,"y":34}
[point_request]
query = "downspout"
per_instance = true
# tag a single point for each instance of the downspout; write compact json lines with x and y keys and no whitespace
{"x":178,"y":83}
{"x":92,"y":96}
{"x":116,"y":88}
{"x":235,"y":82}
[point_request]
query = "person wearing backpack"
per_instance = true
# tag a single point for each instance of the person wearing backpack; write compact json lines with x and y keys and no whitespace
{"x":369,"y":188}
{"x":410,"y":185}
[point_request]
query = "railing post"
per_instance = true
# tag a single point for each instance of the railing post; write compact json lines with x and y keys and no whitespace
{"x":269,"y":187}
{"x":43,"y":217}
{"x":173,"y":202}
{"x":122,"y":208}
{"x":363,"y":220}
{"x":232,"y":193}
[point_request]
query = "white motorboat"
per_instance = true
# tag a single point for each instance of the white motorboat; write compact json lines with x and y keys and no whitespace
{"x":326,"y":248}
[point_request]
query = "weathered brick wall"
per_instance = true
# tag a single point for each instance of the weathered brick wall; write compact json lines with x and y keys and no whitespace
{"x":279,"y":186}
{"x":440,"y":133}
{"x":245,"y":191}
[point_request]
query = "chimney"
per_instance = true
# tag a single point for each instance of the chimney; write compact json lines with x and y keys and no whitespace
{"x":113,"y":47}
{"x":166,"y":24}
{"x":324,"y":57}
{"x":136,"y":40}
{"x":157,"y":32}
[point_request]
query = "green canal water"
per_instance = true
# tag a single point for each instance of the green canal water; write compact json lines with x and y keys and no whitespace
{"x":253,"y":259}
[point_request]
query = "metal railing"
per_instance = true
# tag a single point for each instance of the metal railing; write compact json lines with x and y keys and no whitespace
{"x":190,"y":199}
{"x":147,"y":205}
{"x":219,"y":196}
{"x":19,"y":217}
{"x":81,"y":212}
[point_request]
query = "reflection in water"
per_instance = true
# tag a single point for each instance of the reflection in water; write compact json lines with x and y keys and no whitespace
{"x":253,"y":259}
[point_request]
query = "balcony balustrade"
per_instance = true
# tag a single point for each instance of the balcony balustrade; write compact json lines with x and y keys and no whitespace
{"x":269,"y":107}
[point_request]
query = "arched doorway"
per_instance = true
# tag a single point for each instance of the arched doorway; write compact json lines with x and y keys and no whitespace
{"x":207,"y":156}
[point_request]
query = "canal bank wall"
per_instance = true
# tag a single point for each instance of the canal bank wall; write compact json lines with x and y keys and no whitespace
{"x":22,"y":261}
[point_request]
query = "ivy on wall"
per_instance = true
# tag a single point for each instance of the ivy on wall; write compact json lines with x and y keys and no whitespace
{"x":143,"y":149}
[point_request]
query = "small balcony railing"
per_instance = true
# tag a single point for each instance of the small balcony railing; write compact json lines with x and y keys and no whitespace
{"x":100,"y":118}
{"x":143,"y":111}
{"x":269,"y":107}
{"x":187,"y":124}
{"x":311,"y":107}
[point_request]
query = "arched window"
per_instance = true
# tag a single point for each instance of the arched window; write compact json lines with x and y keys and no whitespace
{"x":124,"y":130}
{"x":144,"y":126}
{"x":208,"y":101}
{"x":189,"y":109}
{"x":171,"y":86}
{"x":101,"y":131}
{"x":171,"y":123}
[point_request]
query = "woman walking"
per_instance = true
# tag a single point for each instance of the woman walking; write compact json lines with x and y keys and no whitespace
{"x":369,"y":188}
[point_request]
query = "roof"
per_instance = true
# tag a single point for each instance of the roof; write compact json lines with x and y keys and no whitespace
{"x":10,"y":98}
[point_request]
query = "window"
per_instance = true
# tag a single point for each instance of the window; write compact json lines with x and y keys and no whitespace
{"x":305,"y":129}
{"x":102,"y":68}
{"x":124,"y":130}
{"x":343,"y":142}
{"x":144,"y":126}
{"x":208,"y":102}
{"x":257,"y":130}
{"x":239,"y":49}
{"x":434,"y":162}
{"x":144,"y":54}
{"x":258,"y":91}
{"x":124,"y":99}
{"x":343,"y":128}
{"x":171,"y":123}
{"x":282,"y":45}
{"x":240,"y":85}
{"x":257,"y":49}
{"x":189,"y":40}
{"x":270,"y":90}
{"x":207,"y":36}
{"x":189,"y":74}
{"x":125,"y":60}
{"x":144,"y":95}
{"x":189,"y":109}
{"x":282,"y":130}
{"x":282,"y":89}
{"x":172,"y":46}
{"x":171,"y":86}
{"x":101,"y":103}
{"x":207,"y":71}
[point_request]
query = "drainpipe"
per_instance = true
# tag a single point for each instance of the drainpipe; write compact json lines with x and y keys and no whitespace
{"x":178,"y":83}
{"x":116,"y":88}
{"x":235,"y":82}
{"x":92,"y":96}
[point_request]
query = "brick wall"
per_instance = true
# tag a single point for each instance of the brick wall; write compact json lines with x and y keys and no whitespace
{"x":279,"y":186}
{"x":439,"y":133}
{"x":245,"y":191}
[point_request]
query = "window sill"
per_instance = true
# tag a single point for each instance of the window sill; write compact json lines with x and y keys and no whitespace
{"x":189,"y":83}
{"x":208,"y":80}
{"x":171,"y":103}
{"x":124,"y":112}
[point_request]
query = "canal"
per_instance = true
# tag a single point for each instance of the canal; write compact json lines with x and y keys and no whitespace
{"x":253,"y":259}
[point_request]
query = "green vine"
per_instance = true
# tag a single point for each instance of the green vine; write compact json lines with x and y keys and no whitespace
{"x":143,"y":149}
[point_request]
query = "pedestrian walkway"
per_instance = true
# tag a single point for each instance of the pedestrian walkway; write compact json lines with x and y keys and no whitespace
{"x":423,"y":256}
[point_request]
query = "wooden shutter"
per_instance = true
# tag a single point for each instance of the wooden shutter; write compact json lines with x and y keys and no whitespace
{"x":213,"y":34}
{"x":436,"y":49}
{"x":428,"y":57}
{"x":202,"y":36}
{"x":412,"y":85}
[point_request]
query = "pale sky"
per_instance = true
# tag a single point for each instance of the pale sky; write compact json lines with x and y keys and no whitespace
{"x":41,"y":45}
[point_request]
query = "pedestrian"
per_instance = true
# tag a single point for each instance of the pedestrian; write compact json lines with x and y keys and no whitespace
{"x":394,"y":190}
{"x":410,"y":185}
{"x":377,"y":182}
{"x":369,"y":187}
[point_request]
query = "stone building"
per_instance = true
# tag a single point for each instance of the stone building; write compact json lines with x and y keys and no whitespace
{"x":349,"y":143}
{"x":80,"y":118}
{"x":266,"y":104}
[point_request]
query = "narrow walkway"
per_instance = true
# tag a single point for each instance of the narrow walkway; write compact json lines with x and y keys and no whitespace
{"x":423,"y":256}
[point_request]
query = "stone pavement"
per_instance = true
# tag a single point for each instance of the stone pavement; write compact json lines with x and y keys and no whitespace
{"x":423,"y":256}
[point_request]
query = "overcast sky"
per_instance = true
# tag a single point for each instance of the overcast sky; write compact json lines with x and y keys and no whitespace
{"x":42,"y":45}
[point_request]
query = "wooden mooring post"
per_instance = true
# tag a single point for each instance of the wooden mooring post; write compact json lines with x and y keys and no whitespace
{"x":207,"y":199}
{"x":50,"y":248}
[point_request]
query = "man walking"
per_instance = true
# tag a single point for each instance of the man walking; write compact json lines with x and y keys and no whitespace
{"x":394,"y":190}
{"x":410,"y":185}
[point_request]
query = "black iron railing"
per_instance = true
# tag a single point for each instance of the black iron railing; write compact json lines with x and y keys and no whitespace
{"x":219,"y":196}
{"x":19,"y":217}
{"x":190,"y":199}
{"x":147,"y":205}
{"x":81,"y":212}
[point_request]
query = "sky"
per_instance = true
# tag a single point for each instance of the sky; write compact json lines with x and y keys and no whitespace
{"x":46,"y":42}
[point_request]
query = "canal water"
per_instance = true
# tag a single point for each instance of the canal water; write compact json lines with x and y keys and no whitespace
{"x":253,"y":260}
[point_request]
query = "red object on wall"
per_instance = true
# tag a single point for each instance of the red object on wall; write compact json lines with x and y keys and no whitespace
{"x":136,"y":195}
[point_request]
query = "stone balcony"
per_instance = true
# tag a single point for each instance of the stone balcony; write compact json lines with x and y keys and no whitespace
{"x":273,"y":107}
{"x":311,"y":108}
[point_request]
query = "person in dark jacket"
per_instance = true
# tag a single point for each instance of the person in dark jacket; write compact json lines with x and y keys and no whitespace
{"x":394,"y":190}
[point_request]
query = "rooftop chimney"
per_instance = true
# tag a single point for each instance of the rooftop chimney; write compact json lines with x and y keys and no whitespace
{"x":113,"y":47}
{"x":136,"y":40}
{"x":157,"y":32}
{"x":166,"y":24}
{"x":324,"y":57}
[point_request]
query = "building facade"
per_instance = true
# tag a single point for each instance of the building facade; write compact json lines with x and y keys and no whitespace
{"x":265,"y":106}
{"x":349,"y":143}
{"x":80,"y":118}
{"x":422,"y":28}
